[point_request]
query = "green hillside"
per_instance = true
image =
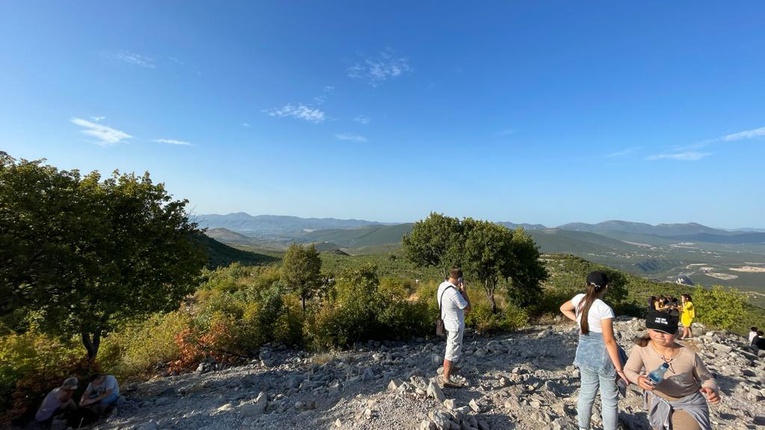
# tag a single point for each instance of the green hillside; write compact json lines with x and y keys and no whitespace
{"x":221,"y":255}
{"x":372,"y":235}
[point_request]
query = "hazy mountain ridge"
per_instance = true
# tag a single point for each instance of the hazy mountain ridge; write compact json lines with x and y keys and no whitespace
{"x":275,"y":225}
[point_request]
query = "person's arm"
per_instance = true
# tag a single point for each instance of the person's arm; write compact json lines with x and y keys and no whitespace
{"x":633,"y":368}
{"x":568,"y":310}
{"x":708,"y":384}
{"x":607,"y":325}
{"x":84,"y":399}
{"x":464,"y":293}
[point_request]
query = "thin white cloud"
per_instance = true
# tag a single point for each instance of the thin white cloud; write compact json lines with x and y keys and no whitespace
{"x":98,"y":118}
{"x":131,"y":58}
{"x":749,"y":134}
{"x":246,"y":125}
{"x":376,"y":70}
{"x":361,"y":119}
{"x":621,"y":154}
{"x":351,"y":137}
{"x":323,"y":97}
{"x":691,"y":153}
{"x":681,"y":156}
{"x":105,"y":135}
{"x":506,"y":132}
{"x":299,"y":111}
{"x":174,"y":142}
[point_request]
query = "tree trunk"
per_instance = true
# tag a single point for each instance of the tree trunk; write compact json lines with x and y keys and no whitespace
{"x":91,"y":343}
{"x":302,"y":302}
{"x":490,"y":296}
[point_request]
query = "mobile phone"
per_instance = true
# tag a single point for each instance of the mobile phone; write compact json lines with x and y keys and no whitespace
{"x":459,"y":280}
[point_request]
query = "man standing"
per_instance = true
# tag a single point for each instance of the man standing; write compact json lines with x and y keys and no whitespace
{"x":454,"y":302}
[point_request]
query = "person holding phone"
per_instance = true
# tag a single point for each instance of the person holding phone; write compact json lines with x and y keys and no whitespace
{"x":454,"y":302}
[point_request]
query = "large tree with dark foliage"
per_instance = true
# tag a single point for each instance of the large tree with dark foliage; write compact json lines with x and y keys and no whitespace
{"x":489,"y":253}
{"x":79,"y":255}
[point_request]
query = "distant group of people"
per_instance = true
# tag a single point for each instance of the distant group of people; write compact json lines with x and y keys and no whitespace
{"x":684,"y":309}
{"x":100,"y":395}
{"x":679,"y":400}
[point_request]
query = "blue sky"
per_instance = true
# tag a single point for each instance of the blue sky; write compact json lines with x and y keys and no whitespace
{"x":523,"y":111}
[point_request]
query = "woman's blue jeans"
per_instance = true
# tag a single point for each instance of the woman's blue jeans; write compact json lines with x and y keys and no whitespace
{"x":596,"y":371}
{"x":591,"y":380}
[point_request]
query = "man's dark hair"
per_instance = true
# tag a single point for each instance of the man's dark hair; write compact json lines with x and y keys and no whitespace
{"x":753,"y":328}
{"x":94,"y":376}
{"x":455,"y":273}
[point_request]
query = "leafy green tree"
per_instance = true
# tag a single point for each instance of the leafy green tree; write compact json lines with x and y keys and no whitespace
{"x":301,"y":271}
{"x":82,"y":255}
{"x":435,"y":242}
{"x":526,"y":271}
{"x":487,"y":254}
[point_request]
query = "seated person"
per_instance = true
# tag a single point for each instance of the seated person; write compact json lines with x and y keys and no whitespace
{"x":58,"y":403}
{"x":758,"y":342}
{"x":102,"y":392}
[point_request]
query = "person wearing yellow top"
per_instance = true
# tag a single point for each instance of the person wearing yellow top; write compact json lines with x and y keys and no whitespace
{"x":688,"y":313}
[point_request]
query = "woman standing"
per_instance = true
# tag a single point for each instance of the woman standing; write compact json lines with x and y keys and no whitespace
{"x":680,"y":397}
{"x":597,"y":355}
{"x":687,"y":314}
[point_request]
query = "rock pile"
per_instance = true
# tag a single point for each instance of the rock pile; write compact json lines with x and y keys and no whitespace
{"x":524,"y":380}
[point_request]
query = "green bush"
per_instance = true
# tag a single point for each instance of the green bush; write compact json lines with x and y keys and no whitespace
{"x":719,"y":307}
{"x":143,"y":347}
{"x":37,"y":363}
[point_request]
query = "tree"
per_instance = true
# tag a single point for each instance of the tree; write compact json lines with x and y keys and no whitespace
{"x":82,"y":255}
{"x":488,"y":254}
{"x":526,"y":272}
{"x":301,"y":271}
{"x":434,"y":242}
{"x":486,"y":251}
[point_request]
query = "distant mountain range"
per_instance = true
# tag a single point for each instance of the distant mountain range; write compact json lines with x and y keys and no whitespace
{"x":276,"y":227}
{"x":665,"y":252}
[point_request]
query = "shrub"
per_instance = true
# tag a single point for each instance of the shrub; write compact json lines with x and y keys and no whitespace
{"x":144,"y":347}
{"x":31,"y":364}
{"x":719,"y":307}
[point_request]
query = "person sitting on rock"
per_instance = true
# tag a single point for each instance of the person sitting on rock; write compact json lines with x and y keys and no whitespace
{"x":58,"y":403}
{"x":679,"y":400}
{"x":102,"y":392}
{"x":758,"y":342}
{"x":752,"y":334}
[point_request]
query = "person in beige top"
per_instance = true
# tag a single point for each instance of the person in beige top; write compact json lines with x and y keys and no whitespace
{"x":681,"y":397}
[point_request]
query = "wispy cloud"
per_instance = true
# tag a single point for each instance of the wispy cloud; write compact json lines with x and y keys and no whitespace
{"x":299,"y":111}
{"x":105,"y":135}
{"x":691,"y":152}
{"x":361,"y":119}
{"x":351,"y":137}
{"x":324,"y":93}
{"x":506,"y":132}
{"x":174,"y":142}
{"x":621,"y":154}
{"x":246,"y":125}
{"x":376,"y":70}
{"x":749,"y":134}
{"x":130,"y":58}
{"x":98,"y":118}
{"x":681,"y":156}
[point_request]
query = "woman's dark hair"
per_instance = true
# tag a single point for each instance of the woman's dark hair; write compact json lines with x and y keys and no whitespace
{"x":596,"y":283}
{"x":687,"y":297}
{"x":643,"y":340}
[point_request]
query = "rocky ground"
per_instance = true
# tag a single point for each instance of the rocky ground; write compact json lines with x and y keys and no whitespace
{"x":524,"y":380}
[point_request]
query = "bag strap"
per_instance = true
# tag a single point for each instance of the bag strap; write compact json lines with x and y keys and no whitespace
{"x":440,"y":312}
